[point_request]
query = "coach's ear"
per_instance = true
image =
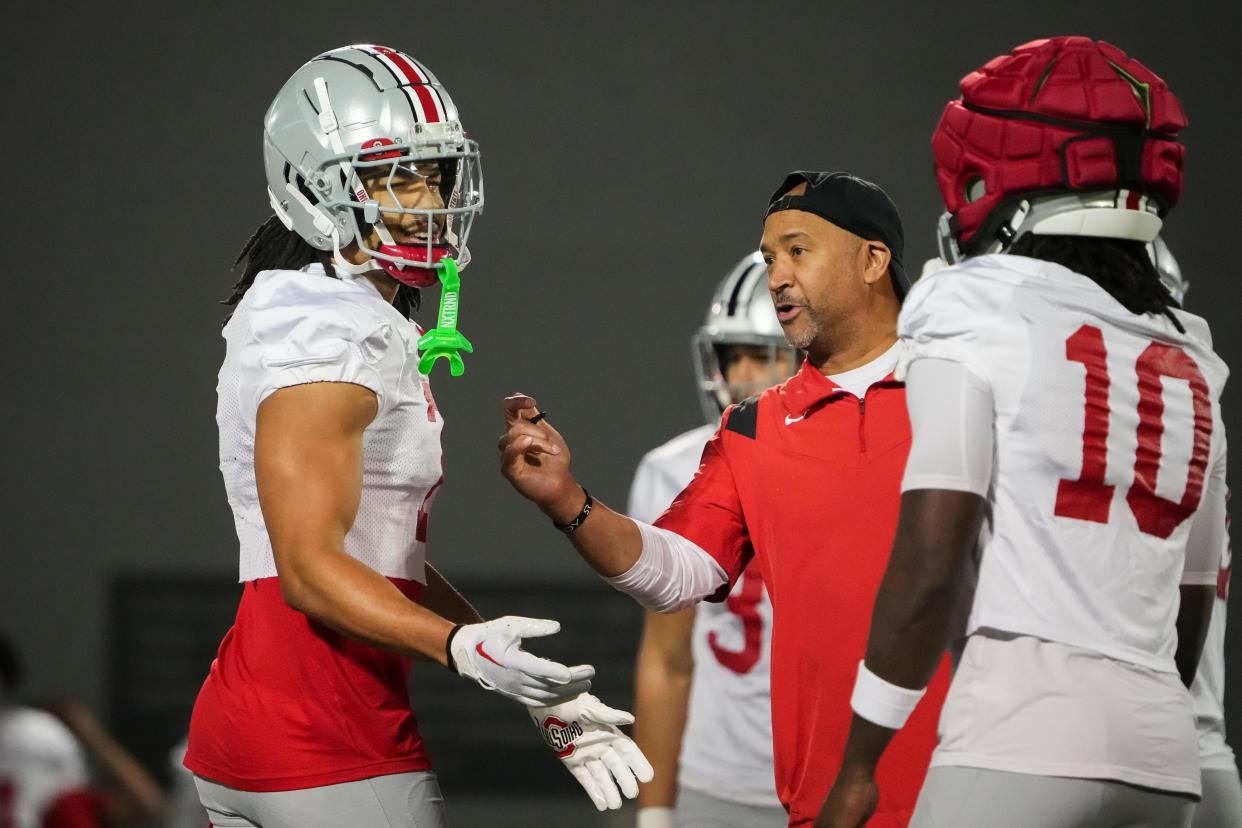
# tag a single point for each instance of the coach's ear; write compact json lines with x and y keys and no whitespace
{"x":876,"y":258}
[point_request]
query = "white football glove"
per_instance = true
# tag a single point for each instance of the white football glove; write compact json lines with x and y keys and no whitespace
{"x":584,"y":734}
{"x":491,"y":653}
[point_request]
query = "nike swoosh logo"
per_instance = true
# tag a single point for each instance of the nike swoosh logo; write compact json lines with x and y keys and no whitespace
{"x":478,"y":648}
{"x":791,"y":420}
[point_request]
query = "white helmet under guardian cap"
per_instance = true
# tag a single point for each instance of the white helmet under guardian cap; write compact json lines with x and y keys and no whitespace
{"x":365,"y":107}
{"x":741,"y":313}
{"x":1168,"y":268}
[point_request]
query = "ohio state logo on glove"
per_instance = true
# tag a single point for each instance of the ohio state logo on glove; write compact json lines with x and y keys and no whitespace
{"x":561,"y":736}
{"x":585,"y":736}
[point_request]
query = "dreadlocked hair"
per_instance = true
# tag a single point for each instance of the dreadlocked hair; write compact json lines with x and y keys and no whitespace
{"x":1120,"y":266}
{"x":273,"y":246}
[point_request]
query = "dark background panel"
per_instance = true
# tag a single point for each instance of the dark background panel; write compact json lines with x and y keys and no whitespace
{"x":628,"y":150}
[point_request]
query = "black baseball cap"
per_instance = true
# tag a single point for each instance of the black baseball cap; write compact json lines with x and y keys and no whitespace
{"x":853,"y":204}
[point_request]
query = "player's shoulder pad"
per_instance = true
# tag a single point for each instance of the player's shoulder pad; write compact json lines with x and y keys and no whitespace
{"x":965,"y":296}
{"x":298,"y":311}
{"x":743,"y":417}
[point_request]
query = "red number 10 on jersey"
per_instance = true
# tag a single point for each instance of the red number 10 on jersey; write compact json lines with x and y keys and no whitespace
{"x":1089,"y":497}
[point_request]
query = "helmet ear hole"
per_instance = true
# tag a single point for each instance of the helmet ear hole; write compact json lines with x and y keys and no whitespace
{"x":975,"y":188}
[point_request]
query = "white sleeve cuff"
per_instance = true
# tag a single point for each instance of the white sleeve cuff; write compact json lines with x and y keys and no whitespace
{"x":655,"y":817}
{"x":880,"y":702}
{"x":672,"y":573}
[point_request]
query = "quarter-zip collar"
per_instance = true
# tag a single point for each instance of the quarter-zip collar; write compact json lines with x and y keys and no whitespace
{"x":809,"y":389}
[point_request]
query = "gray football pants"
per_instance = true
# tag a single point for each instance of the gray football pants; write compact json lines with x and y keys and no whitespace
{"x":959,"y":797}
{"x":399,"y":800}
{"x":1221,"y":806}
{"x":700,"y":810}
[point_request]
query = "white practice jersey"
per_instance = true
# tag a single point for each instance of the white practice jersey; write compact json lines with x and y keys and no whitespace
{"x":1107,"y":491}
{"x":1208,"y":690}
{"x":1109,"y":482}
{"x":40,"y":761}
{"x":295,"y":327}
{"x":726,"y":750}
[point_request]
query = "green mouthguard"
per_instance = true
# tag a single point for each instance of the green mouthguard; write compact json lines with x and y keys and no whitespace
{"x":444,"y":341}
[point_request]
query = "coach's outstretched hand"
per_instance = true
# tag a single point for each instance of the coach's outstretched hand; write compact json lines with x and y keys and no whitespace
{"x":535,"y":459}
{"x":586,"y":739}
{"x":491,"y":653}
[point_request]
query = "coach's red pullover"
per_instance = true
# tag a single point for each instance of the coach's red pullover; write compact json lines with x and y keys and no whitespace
{"x":806,"y":478}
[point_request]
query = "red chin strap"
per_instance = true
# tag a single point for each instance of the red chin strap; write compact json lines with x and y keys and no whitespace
{"x":413,"y":275}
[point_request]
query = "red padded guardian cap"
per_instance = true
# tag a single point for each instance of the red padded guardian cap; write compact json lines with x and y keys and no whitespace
{"x":1056,"y":115}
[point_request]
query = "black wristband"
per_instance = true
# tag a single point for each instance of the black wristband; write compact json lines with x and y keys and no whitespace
{"x":572,"y":526}
{"x":448,"y":647}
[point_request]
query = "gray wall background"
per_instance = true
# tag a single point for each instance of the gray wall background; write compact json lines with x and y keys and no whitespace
{"x":628,"y":152}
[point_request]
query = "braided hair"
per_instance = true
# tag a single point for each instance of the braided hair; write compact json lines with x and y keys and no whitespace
{"x":1120,"y":266}
{"x":273,"y":246}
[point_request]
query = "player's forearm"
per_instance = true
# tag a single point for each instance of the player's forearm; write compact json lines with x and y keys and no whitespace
{"x":661,"y":699}
{"x":345,"y":594}
{"x":927,"y":585}
{"x":609,"y":542}
{"x":444,"y":600}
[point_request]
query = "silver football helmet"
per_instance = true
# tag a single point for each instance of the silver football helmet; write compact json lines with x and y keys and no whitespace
{"x":741,"y":313}
{"x":377,"y":111}
{"x":1168,"y":268}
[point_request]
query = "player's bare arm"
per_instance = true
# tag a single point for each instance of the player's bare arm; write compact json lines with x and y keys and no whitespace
{"x":308,"y":468}
{"x":535,"y":459}
{"x":918,"y":607}
{"x":662,"y":699}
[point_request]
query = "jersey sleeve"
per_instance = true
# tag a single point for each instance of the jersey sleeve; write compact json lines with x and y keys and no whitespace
{"x":708,"y":512}
{"x":1209,"y":530}
{"x":951,"y":315}
{"x":303,"y":330}
{"x":951,"y":422}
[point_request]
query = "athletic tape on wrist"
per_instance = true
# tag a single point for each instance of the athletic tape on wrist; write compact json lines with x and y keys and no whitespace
{"x":880,"y":702}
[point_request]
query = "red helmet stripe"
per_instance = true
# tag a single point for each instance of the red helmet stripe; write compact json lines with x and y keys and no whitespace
{"x":417,"y":79}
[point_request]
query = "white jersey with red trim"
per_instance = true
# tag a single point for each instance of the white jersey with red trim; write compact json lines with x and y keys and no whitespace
{"x":295,"y":327}
{"x":1109,"y":481}
{"x":726,"y":750}
{"x":40,"y":760}
{"x":1208,"y":690}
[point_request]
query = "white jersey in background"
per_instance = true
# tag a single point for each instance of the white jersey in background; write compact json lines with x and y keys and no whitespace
{"x":1107,"y":490}
{"x":40,"y":761}
{"x":1208,"y":690}
{"x":726,"y":750}
{"x":1221,"y":805}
